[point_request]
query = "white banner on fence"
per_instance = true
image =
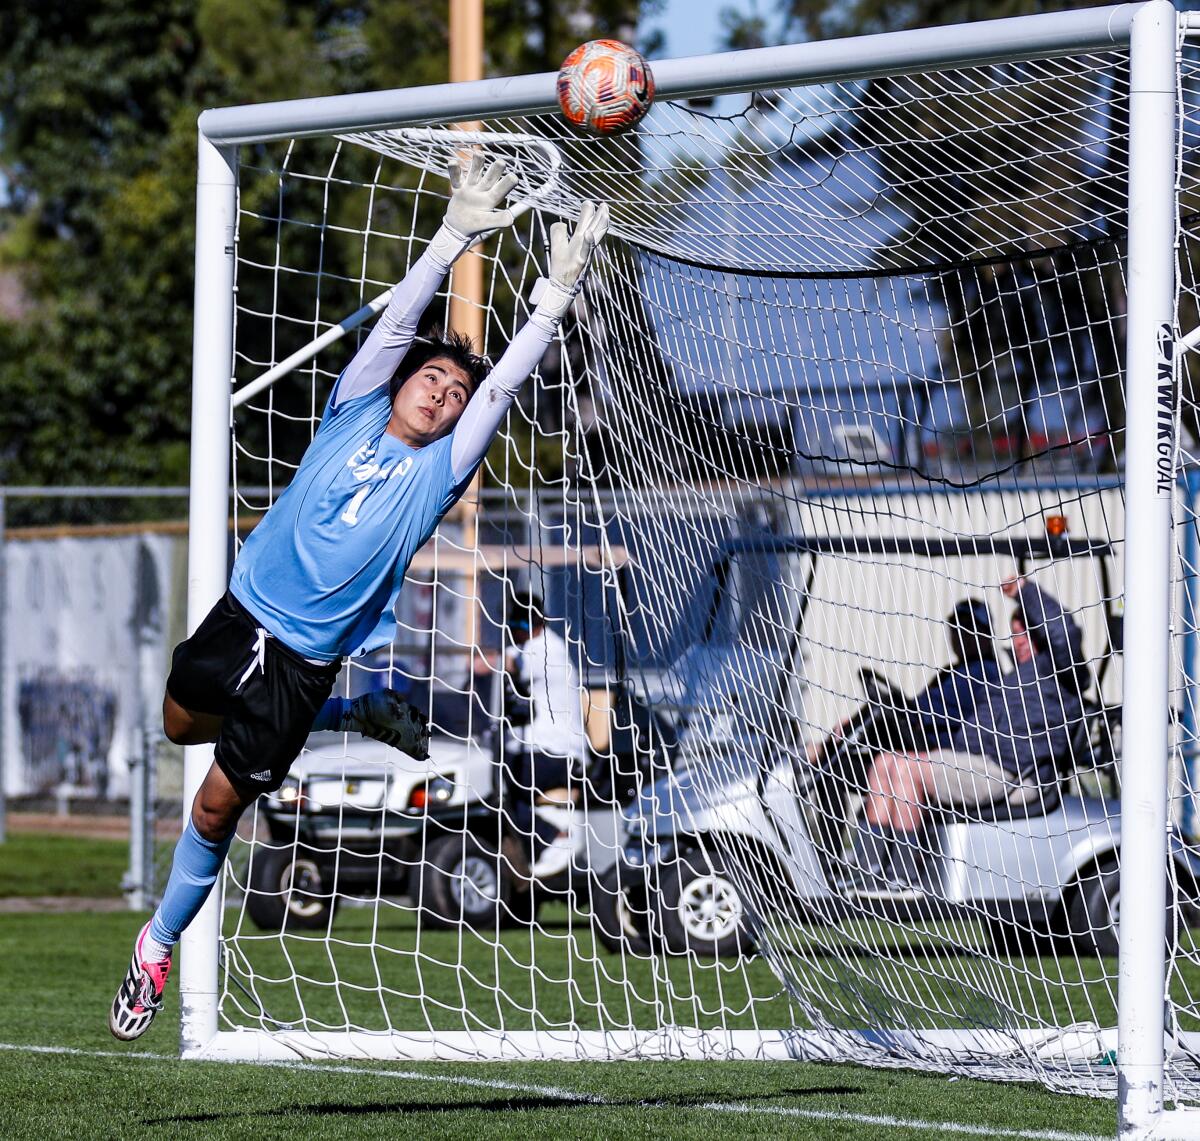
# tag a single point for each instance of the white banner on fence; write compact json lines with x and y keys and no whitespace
{"x":89,"y":623}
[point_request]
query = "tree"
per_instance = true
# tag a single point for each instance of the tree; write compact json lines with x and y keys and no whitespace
{"x":98,"y":107}
{"x":823,"y":20}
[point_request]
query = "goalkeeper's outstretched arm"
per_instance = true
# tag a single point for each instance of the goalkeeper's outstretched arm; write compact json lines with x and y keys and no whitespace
{"x":473,"y":210}
{"x":570,"y":256}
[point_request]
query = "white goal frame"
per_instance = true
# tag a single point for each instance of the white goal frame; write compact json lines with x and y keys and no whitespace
{"x":1151,"y":31}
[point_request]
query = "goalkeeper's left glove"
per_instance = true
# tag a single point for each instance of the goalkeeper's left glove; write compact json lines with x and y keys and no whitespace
{"x":570,"y":256}
{"x":474,"y":209}
{"x":385,"y":716}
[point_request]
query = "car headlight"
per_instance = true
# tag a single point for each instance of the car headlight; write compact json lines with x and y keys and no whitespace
{"x":288,"y":796}
{"x":434,"y":792}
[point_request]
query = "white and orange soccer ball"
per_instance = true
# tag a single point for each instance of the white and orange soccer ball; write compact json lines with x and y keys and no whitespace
{"x":604,"y":86}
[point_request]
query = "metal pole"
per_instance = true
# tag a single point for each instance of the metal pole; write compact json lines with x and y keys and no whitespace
{"x":466,"y":65}
{"x":212,"y":363}
{"x":3,"y":677}
{"x":1149,"y":495}
{"x":466,"y":288}
{"x":135,"y":882}
{"x":140,"y":877}
{"x":827,"y":61}
{"x":1190,"y":603}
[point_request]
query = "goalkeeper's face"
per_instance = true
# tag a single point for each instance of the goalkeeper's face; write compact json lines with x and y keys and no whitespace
{"x":429,"y":403}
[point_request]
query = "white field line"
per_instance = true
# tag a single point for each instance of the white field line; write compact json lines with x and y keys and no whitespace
{"x":582,"y":1098}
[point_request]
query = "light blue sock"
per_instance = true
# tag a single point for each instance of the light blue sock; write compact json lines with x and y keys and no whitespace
{"x":194,"y":870}
{"x":330,"y":715}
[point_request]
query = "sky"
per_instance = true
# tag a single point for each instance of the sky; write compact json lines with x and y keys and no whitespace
{"x":692,"y":27}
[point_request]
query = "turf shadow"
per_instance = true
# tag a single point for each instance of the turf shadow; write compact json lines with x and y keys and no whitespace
{"x":500,"y":1105}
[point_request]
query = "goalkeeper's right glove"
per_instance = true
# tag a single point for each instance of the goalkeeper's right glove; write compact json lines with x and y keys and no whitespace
{"x":474,"y":208}
{"x":570,"y":256}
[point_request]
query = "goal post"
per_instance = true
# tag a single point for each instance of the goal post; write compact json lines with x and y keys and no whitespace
{"x":1150,"y":492}
{"x":815,"y":314}
{"x":208,"y":518}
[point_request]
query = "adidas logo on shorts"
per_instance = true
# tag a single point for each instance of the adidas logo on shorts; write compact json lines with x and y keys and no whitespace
{"x":264,"y":775}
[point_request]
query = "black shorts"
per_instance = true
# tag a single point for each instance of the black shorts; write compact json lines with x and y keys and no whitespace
{"x":268,"y":694}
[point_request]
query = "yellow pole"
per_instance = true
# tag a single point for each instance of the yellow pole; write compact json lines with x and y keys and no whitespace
{"x":466,"y":64}
{"x":466,"y":282}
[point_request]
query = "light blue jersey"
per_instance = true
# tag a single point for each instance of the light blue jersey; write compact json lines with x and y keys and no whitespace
{"x":324,"y":567}
{"x":322,"y":571}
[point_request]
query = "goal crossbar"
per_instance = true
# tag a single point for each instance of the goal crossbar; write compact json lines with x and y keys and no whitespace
{"x":690,"y":77}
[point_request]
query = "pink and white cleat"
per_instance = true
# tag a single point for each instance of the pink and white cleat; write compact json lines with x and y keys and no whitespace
{"x":140,"y":996}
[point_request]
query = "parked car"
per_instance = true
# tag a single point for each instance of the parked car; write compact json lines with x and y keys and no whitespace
{"x":366,"y":820}
{"x":354,"y":820}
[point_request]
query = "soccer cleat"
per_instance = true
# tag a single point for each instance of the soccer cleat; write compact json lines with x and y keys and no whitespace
{"x":559,"y":854}
{"x":385,"y":716}
{"x":555,"y":857}
{"x":140,"y":996}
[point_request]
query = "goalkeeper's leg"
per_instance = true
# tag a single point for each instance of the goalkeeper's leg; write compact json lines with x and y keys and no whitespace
{"x":197,"y":863}
{"x":381,"y":714}
{"x":233,"y":683}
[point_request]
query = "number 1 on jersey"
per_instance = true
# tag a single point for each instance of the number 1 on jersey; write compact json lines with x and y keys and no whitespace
{"x":350,"y":515}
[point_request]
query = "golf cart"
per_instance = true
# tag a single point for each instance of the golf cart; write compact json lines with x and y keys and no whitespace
{"x":479,"y":872}
{"x":356,"y":821}
{"x":746,"y":833}
{"x":440,"y":832}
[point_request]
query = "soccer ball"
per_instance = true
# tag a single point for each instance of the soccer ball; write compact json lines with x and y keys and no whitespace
{"x":604,"y":86}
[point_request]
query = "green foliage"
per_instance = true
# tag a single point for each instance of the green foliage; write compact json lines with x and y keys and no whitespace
{"x":98,"y":107}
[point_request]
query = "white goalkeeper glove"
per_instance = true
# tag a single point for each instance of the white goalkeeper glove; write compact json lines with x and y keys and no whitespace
{"x":570,"y":256}
{"x":474,"y":209}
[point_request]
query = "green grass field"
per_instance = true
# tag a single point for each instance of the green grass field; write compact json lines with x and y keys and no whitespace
{"x":63,"y":1076}
{"x":38,"y":863}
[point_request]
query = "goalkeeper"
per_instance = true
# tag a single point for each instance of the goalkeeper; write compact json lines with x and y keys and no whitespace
{"x":406,"y":426}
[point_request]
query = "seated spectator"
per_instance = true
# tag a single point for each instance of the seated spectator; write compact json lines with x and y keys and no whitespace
{"x":1006,"y":750}
{"x":950,"y":700}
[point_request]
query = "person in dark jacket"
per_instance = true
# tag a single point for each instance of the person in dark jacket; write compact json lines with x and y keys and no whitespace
{"x":951,"y":698}
{"x":1006,"y":750}
{"x":949,"y":702}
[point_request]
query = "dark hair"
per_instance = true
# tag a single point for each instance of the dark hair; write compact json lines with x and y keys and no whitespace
{"x":970,"y":627}
{"x":525,"y":611}
{"x":455,"y":347}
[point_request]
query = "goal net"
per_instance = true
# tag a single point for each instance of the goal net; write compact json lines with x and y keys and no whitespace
{"x":851,"y":359}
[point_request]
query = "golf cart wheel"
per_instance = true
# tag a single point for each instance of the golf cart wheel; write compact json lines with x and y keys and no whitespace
{"x":464,"y":881}
{"x":703,"y":909}
{"x":289,"y":887}
{"x":620,"y":917}
{"x":1094,"y":911}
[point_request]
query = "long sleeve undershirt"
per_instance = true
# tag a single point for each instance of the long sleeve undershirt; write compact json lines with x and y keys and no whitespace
{"x":383,"y":350}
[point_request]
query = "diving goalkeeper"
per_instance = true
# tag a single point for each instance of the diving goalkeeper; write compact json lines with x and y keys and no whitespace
{"x":406,"y":426}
